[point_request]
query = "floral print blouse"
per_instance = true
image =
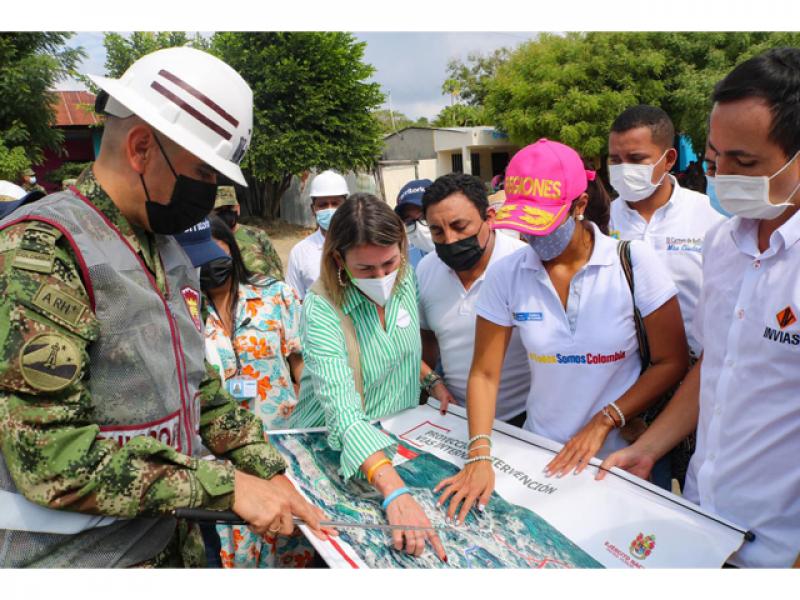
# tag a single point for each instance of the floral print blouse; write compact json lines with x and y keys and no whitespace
{"x":267,"y":323}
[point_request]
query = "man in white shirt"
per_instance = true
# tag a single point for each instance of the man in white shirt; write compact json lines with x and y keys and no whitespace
{"x":328,"y":191}
{"x":457,"y":212}
{"x":744,"y":393}
{"x":653,"y":207}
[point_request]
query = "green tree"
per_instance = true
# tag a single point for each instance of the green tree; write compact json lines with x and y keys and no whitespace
{"x":468,"y":80}
{"x":570,"y":88}
{"x":31,"y":64}
{"x":460,"y":115}
{"x":391,"y":122}
{"x":313,"y":107}
{"x":122,"y":52}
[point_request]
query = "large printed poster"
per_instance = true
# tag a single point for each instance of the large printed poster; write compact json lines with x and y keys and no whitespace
{"x":532,"y":521}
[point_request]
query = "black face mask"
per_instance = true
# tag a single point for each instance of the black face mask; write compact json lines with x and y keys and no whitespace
{"x":190,"y":203}
{"x":214,"y":274}
{"x":463,"y":254}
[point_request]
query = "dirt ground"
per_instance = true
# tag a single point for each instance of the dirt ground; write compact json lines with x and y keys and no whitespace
{"x":283,"y":235}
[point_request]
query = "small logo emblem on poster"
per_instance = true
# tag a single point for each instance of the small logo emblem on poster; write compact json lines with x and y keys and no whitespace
{"x":643,"y":546}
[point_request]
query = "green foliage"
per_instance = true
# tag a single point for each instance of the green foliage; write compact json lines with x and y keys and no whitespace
{"x":468,"y":80}
{"x":570,"y":88}
{"x":396,"y":121}
{"x":122,"y":52}
{"x":13,"y":161}
{"x":67,"y":170}
{"x":313,"y":107}
{"x":461,"y":115}
{"x":31,"y":64}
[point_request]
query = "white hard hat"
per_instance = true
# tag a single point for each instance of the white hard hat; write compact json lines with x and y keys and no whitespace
{"x":328,"y":183}
{"x":193,"y":98}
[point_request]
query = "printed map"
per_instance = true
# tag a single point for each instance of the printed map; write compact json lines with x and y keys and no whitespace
{"x":504,"y":536}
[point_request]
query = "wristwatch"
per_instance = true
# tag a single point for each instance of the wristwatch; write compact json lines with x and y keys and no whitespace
{"x":430,"y":380}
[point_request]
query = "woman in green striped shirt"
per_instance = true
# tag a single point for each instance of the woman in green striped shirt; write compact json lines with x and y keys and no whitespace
{"x":366,"y":301}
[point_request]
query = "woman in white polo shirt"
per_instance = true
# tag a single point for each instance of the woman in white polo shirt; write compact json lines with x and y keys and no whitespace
{"x":567,"y":294}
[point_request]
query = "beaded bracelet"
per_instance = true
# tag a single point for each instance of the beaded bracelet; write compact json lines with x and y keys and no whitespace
{"x":375,"y":467}
{"x":489,"y":446}
{"x":480,"y":436}
{"x":475,"y":459}
{"x":619,"y":412}
{"x":393,"y":496}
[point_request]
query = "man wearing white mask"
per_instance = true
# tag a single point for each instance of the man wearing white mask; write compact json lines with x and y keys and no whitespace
{"x":409,"y":209}
{"x":653,"y":207}
{"x":743,"y":393}
{"x":328,"y":191}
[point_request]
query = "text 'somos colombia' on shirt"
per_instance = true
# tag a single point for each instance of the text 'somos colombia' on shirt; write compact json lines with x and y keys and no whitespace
{"x":390,"y":366}
{"x":587,"y":356}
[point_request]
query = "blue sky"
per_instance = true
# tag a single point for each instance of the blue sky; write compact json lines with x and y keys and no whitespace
{"x":409,"y":65}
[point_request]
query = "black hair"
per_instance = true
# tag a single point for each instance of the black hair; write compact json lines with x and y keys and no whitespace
{"x":655,"y":119}
{"x":444,"y":186}
{"x":228,"y":216}
{"x":598,"y":209}
{"x":240,"y":275}
{"x":773,"y":76}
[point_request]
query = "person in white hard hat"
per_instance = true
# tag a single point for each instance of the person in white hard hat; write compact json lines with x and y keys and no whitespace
{"x":328,"y":191}
{"x":103,"y":361}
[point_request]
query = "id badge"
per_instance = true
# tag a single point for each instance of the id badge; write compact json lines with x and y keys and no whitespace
{"x":242,"y":387}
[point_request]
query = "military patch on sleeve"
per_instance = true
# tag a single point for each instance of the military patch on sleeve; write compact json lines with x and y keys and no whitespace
{"x":49,"y":362}
{"x":192,"y":299}
{"x":37,"y":249}
{"x":57,"y":303}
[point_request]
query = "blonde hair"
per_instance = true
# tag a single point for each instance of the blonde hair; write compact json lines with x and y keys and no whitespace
{"x":361,"y":219}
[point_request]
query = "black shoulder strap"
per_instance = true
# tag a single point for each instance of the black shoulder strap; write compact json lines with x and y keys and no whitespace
{"x":624,"y":250}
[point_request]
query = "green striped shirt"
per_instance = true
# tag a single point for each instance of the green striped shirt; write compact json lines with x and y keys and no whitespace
{"x":390,"y":366}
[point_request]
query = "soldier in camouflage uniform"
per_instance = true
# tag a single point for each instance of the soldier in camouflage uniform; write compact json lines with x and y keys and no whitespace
{"x":110,"y":488}
{"x":258,"y":253}
{"x":29,"y":181}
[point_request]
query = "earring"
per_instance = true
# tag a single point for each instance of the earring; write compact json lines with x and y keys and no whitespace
{"x":339,"y":274}
{"x":579,"y":217}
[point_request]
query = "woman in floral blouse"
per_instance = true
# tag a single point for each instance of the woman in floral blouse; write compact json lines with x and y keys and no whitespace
{"x":252,"y":337}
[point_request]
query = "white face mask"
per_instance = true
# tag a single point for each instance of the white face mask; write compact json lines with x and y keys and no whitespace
{"x":420,"y":236}
{"x":635,"y":182}
{"x":748,"y":195}
{"x":379,"y":289}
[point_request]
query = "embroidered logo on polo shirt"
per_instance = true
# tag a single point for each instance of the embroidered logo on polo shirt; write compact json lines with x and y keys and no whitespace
{"x":528,"y":316}
{"x":785,"y":318}
{"x":675,"y":244}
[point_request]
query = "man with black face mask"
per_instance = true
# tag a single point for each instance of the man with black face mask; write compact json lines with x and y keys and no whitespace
{"x":457,"y":212}
{"x":106,"y":396}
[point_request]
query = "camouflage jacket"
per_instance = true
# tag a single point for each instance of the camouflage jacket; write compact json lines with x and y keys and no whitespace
{"x":48,"y":438}
{"x":258,"y":253}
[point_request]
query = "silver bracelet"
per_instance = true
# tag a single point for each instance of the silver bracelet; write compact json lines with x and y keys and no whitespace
{"x":475,"y":459}
{"x":480,"y":436}
{"x":619,"y":412}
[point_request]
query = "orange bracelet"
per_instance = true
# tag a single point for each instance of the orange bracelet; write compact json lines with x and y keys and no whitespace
{"x":375,"y":467}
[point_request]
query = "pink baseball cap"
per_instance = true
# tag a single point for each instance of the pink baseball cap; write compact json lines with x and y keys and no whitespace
{"x":541,"y":182}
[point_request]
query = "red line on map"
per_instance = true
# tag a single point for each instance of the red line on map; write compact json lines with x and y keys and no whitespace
{"x":402,"y":435}
{"x":339,"y":549}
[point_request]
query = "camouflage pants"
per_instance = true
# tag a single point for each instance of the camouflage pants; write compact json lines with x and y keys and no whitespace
{"x":185,"y":550}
